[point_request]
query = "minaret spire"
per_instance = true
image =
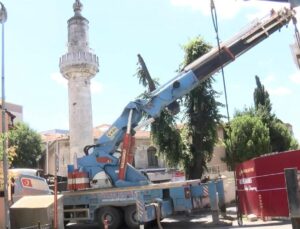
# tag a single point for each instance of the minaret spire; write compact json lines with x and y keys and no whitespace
{"x":77,"y":6}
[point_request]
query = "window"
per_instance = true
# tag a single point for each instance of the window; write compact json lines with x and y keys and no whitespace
{"x":152,"y":157}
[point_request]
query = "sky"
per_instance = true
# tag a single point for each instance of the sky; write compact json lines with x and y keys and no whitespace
{"x":36,"y":36}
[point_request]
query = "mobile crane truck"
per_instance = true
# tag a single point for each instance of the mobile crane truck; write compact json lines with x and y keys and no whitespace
{"x":104,"y":186}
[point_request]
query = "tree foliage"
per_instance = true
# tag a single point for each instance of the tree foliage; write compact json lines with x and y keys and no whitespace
{"x":26,"y":144}
{"x":167,"y":136}
{"x":247,"y":137}
{"x":192,"y":145}
{"x":164,"y":131}
{"x":261,"y":97}
{"x":281,"y":138}
{"x":242,"y":135}
{"x":201,"y":114}
{"x":11,"y":151}
{"x":144,"y":76}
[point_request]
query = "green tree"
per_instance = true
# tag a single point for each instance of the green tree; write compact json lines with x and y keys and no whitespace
{"x":27,"y":145}
{"x":194,"y":146}
{"x":261,"y":97}
{"x":274,"y":131}
{"x":167,"y":136}
{"x":280,"y":137}
{"x":201,"y":115}
{"x":11,"y":152}
{"x":164,"y":131}
{"x":248,"y":137}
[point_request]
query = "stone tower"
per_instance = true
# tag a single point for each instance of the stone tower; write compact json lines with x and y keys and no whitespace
{"x":78,"y":66}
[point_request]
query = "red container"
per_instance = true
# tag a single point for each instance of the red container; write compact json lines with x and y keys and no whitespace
{"x":261,"y":184}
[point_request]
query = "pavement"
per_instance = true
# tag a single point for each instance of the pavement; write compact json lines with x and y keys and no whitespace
{"x":203,"y":219}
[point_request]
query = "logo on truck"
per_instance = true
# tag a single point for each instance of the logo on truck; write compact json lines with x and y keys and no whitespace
{"x":112,"y":132}
{"x":26,"y":182}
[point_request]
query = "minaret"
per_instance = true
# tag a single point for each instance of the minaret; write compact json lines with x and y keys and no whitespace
{"x":78,"y":66}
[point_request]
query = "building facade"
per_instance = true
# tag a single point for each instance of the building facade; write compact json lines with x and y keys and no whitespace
{"x":13,"y":114}
{"x":146,"y":155}
{"x":57,"y":148}
{"x":216,"y":165}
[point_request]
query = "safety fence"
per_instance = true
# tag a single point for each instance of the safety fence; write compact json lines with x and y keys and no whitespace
{"x":261,"y":184}
{"x":263,"y":195}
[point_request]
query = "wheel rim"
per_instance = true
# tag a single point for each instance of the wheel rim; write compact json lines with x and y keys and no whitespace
{"x":109,"y":218}
{"x":134,"y":217}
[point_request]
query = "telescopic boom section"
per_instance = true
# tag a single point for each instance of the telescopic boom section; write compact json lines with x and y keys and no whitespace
{"x":211,"y":62}
{"x":242,"y":42}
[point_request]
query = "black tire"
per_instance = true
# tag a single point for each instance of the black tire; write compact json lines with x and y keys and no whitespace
{"x":131,"y":217}
{"x":112,"y":215}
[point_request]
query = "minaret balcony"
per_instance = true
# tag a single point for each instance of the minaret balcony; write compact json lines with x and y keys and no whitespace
{"x":79,"y":62}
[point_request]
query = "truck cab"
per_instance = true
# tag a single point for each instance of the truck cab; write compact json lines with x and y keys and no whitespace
{"x":25,"y":182}
{"x":22,"y":182}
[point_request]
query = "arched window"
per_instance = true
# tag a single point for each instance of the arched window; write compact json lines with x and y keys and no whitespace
{"x":152,"y":157}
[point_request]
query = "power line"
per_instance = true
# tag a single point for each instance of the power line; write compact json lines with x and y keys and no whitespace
{"x":215,"y":23}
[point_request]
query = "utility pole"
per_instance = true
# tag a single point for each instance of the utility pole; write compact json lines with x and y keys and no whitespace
{"x":3,"y":18}
{"x":56,"y":168}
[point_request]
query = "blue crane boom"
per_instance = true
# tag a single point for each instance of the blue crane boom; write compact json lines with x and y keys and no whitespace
{"x":103,"y":158}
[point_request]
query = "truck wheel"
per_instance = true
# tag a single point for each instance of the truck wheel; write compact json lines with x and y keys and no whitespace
{"x":112,"y":215}
{"x":131,"y":217}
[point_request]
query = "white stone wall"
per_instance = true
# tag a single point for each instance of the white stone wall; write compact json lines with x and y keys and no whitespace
{"x":61,"y":149}
{"x":229,"y":186}
{"x":80,"y":115}
{"x":141,"y":156}
{"x":216,"y":164}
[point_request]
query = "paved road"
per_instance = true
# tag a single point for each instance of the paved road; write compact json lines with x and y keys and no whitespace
{"x":204,"y":220}
{"x":195,"y":224}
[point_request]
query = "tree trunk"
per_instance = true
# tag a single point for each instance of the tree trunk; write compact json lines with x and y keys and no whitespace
{"x":151,"y":84}
{"x":196,"y":168}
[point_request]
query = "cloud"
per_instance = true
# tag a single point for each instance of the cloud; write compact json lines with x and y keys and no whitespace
{"x":228,"y":9}
{"x":295,"y":78}
{"x":269,"y":79}
{"x":271,"y":83}
{"x":279,"y":91}
{"x":59,"y":79}
{"x":96,"y":87}
{"x":262,"y":8}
